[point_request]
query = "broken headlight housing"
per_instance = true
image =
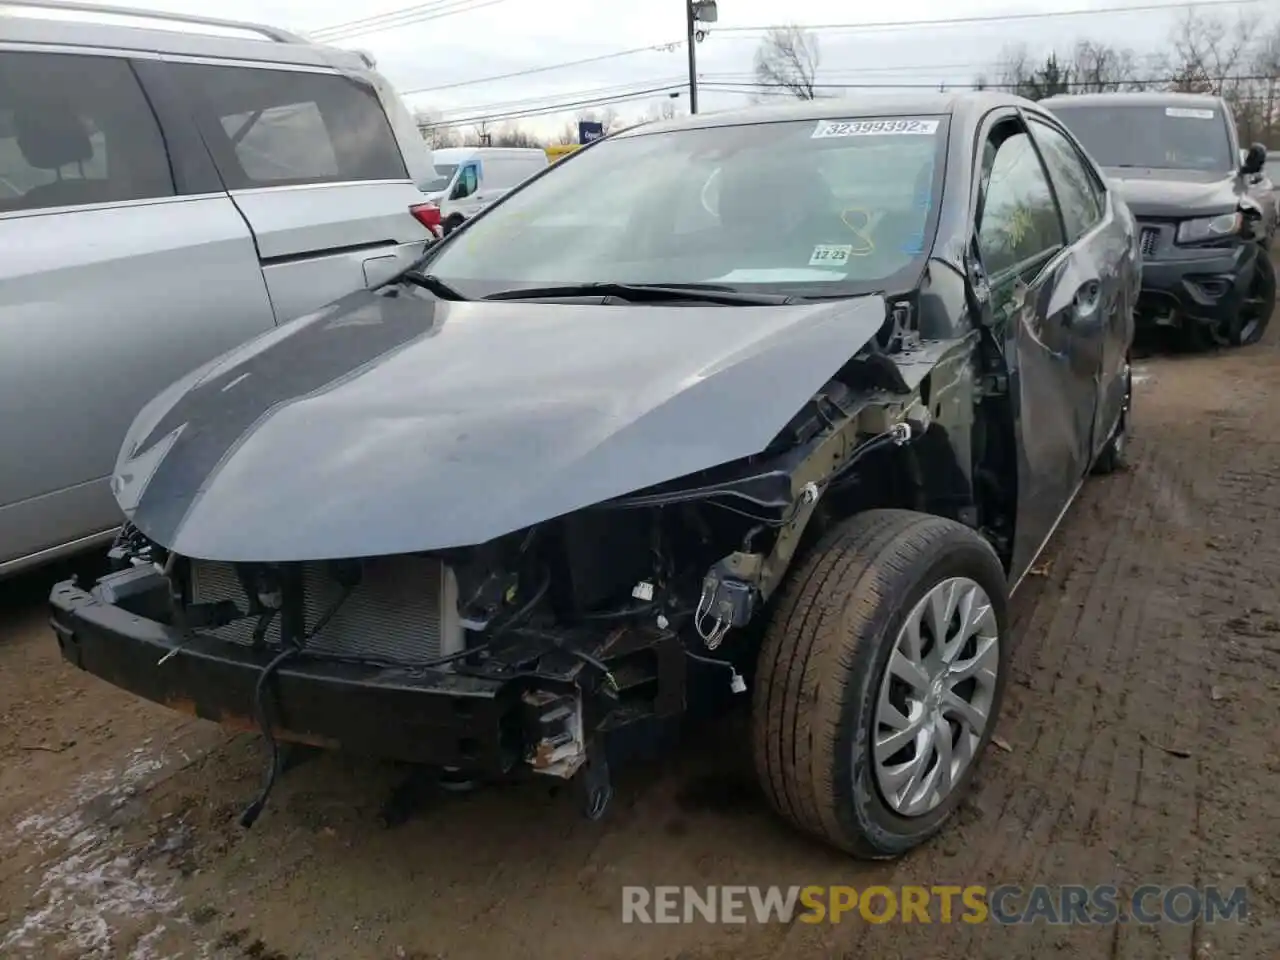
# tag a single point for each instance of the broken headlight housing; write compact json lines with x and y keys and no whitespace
{"x":1209,"y":228}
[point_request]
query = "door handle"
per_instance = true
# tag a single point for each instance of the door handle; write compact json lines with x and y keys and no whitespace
{"x":1084,"y":306}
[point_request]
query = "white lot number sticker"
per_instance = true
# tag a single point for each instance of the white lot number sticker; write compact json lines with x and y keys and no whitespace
{"x":1188,"y":113}
{"x":873,"y":128}
{"x":831,"y":255}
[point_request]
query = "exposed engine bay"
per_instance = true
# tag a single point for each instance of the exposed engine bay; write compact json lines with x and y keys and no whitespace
{"x":594,"y":618}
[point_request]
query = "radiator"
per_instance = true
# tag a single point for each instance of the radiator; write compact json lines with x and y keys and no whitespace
{"x":404,"y":611}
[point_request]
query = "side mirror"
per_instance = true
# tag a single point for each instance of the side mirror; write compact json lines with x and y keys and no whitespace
{"x":1254,"y":160}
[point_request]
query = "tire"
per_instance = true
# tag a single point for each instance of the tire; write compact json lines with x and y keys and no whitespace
{"x":1112,"y":457}
{"x":452,"y":224}
{"x":823,"y":661}
{"x":1260,"y":303}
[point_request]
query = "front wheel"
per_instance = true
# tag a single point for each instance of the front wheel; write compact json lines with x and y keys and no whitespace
{"x":1258,"y":304}
{"x":880,"y":680}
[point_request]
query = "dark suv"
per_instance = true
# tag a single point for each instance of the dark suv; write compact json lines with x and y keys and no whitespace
{"x":1206,"y":218}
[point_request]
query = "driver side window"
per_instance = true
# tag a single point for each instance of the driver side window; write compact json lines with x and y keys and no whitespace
{"x":1019,"y":219}
{"x":468,"y":180}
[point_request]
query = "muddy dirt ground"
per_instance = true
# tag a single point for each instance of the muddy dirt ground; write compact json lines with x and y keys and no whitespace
{"x":1139,"y":744}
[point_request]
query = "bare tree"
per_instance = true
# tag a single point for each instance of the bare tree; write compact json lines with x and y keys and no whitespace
{"x":1208,"y":52}
{"x":664,"y":109}
{"x":1266,"y":100}
{"x":1020,"y":74}
{"x":788,"y":59}
{"x":481,"y":134}
{"x":1013,"y":68}
{"x":1238,"y":59}
{"x":513,"y":135}
{"x":433,"y":129}
{"x":1101,"y":68}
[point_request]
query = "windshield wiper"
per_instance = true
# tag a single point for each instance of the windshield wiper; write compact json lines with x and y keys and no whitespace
{"x":649,"y":292}
{"x":432,"y":283}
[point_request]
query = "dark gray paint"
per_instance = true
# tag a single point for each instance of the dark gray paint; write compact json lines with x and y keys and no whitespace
{"x":386,"y":425}
{"x":1066,"y":324}
{"x":394,"y":425}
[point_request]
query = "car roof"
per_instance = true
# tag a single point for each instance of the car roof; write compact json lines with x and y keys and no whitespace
{"x":72,"y":23}
{"x":956,"y":103}
{"x":1162,"y":98}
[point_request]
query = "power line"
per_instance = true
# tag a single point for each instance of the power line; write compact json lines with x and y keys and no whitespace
{"x":617,"y":88}
{"x":992,"y":18}
{"x":747,"y":89}
{"x":565,"y":106}
{"x":398,"y":18}
{"x":665,"y":47}
{"x":888,"y":24}
{"x":361,"y":21}
{"x":766,"y":88}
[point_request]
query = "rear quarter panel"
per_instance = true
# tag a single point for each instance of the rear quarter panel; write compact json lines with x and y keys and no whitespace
{"x":314,"y":240}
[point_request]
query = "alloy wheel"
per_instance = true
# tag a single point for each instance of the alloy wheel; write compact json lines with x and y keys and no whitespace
{"x":935,"y":697}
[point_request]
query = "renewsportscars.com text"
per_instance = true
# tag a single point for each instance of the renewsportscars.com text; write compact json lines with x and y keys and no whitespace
{"x":1068,"y":904}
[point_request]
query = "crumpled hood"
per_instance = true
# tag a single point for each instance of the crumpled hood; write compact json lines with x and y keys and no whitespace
{"x":1174,"y":193}
{"x":391,"y":424}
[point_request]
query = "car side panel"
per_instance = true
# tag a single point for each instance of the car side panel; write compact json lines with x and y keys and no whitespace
{"x":314,"y":242}
{"x":1117,"y":247}
{"x":1052,"y":363}
{"x":1055,"y":385}
{"x":332,"y":214}
{"x":102,"y":309}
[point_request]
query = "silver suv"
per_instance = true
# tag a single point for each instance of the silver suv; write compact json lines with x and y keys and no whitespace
{"x":170,"y":186}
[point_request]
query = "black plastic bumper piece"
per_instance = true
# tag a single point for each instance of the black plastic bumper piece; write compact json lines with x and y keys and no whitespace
{"x":1195,"y":285}
{"x":421,"y":716}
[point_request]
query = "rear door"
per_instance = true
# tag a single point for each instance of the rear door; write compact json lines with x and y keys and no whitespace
{"x":124,"y":267}
{"x":311,"y":160}
{"x":1103,"y":250}
{"x":1040,"y":292}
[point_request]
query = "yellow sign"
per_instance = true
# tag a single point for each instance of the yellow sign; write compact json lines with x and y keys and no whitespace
{"x":561,"y":150}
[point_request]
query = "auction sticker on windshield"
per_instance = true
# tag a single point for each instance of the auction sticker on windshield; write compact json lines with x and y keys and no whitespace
{"x":873,"y":128}
{"x":830,"y":254}
{"x":1188,"y":113}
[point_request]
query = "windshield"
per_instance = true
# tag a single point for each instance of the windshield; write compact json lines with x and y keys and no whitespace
{"x":444,"y":173}
{"x":828,"y":207}
{"x":1170,"y":138}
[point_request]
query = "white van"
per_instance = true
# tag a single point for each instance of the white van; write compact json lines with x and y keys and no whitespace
{"x":468,"y":179}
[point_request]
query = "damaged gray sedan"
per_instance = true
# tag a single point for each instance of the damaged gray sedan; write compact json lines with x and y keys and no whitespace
{"x":780,"y":403}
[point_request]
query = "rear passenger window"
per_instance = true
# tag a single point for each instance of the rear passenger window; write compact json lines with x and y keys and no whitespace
{"x":273,"y":128}
{"x":1081,"y":204}
{"x":76,"y":130}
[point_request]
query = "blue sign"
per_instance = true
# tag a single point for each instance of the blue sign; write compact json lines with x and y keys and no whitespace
{"x":589,"y":130}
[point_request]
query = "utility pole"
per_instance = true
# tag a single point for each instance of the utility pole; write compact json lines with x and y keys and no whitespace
{"x":696,"y":11}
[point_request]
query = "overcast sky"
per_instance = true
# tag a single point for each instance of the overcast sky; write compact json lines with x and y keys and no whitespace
{"x":489,"y":37}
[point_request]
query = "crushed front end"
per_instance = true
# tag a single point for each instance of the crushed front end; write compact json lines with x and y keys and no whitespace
{"x":479,"y":662}
{"x":535,"y":651}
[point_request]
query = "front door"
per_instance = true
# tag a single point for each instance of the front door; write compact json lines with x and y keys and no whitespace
{"x":1046,"y":302}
